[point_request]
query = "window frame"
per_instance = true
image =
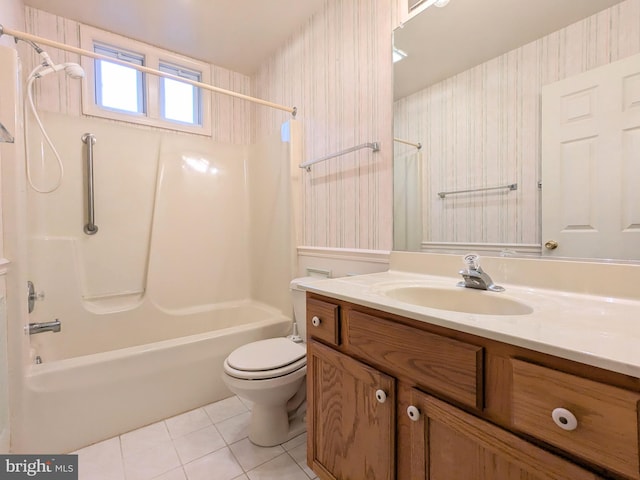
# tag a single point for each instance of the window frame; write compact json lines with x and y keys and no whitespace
{"x":151,"y":84}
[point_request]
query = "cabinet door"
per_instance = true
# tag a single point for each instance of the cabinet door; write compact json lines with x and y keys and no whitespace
{"x":350,"y":417}
{"x":449,"y":444}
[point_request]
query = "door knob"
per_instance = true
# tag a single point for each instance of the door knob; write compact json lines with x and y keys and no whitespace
{"x":551,"y":245}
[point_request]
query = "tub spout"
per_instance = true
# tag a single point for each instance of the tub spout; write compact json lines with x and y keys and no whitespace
{"x":54,"y":326}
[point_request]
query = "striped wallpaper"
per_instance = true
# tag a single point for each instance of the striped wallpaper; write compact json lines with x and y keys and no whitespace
{"x":337,"y":70}
{"x":482,"y":128}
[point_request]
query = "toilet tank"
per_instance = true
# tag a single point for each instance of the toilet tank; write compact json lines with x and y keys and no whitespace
{"x":299,"y":300}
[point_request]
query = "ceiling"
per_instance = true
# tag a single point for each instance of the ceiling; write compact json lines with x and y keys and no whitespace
{"x":235,"y":34}
{"x":441,"y":42}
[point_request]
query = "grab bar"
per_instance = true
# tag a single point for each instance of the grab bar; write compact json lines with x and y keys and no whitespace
{"x":90,"y":228}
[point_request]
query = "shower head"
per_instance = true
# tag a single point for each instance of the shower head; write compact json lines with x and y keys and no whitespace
{"x":72,"y":69}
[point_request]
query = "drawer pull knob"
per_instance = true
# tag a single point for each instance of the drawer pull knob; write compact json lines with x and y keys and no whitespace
{"x":381,"y":396}
{"x":315,"y":321}
{"x":413,"y":412}
{"x":564,"y":419}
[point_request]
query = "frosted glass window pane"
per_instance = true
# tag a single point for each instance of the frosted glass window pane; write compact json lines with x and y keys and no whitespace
{"x":178,"y":101}
{"x":119,"y":87}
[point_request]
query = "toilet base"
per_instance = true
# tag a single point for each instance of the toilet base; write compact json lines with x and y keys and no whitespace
{"x":270,"y":426}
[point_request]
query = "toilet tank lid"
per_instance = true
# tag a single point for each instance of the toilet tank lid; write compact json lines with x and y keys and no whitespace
{"x":266,"y":355}
{"x":301,"y":282}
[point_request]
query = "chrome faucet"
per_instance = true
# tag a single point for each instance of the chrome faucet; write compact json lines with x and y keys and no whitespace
{"x":54,"y":326}
{"x":475,"y":277}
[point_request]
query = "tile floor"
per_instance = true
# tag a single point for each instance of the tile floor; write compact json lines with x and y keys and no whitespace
{"x":208,"y":443}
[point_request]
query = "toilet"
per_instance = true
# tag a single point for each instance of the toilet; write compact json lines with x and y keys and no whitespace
{"x":271,"y":373}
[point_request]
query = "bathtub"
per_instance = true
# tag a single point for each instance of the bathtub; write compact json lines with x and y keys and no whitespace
{"x":74,"y":401}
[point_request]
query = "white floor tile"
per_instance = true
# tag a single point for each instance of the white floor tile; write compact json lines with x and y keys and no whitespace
{"x":299,"y":454}
{"x":199,"y":443}
{"x":101,"y":461}
{"x":224,"y":409}
{"x":187,"y":422}
{"x":235,"y":428}
{"x":220,"y":465}
{"x":250,"y":456}
{"x":177,"y":474}
{"x":190,"y":447}
{"x":310,"y":473}
{"x":295,"y":442}
{"x":280,"y":468}
{"x":144,"y":438}
{"x":247,"y":403}
{"x":151,"y":462}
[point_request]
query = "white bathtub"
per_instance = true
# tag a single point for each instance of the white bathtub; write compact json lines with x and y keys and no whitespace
{"x":73,"y":402}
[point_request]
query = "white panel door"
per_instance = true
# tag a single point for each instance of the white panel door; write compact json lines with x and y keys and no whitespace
{"x":591,"y":163}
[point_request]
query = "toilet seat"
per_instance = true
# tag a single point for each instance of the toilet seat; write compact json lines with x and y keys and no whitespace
{"x":271,"y":358}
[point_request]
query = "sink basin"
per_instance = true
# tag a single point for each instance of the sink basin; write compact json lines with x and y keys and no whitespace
{"x":465,"y":300}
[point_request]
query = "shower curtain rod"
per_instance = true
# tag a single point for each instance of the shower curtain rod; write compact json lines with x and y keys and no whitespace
{"x":87,"y":53}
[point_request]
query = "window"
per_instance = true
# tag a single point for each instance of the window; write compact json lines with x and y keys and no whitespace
{"x":119,"y":92}
{"x":180,"y":102}
{"x":119,"y":87}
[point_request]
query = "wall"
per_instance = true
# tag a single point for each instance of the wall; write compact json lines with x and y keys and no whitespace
{"x":13,"y":344}
{"x":12,"y":17}
{"x":271,"y":215}
{"x":10,"y":284}
{"x":482,"y":128}
{"x":337,"y":71}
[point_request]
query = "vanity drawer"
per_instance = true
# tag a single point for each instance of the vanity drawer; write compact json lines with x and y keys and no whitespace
{"x":606,"y":430}
{"x":439,"y":364}
{"x":323,"y":321}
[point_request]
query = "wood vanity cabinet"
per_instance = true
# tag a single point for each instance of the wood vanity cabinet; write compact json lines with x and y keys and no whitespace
{"x":394,"y":398}
{"x":354,"y":417}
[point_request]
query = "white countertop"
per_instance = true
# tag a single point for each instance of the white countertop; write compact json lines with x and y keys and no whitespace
{"x":595,"y":330}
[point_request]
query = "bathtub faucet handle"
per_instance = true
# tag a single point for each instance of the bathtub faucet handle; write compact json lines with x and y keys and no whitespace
{"x":33,"y":295}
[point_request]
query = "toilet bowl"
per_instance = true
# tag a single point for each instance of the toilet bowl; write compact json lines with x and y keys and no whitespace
{"x":271,"y":373}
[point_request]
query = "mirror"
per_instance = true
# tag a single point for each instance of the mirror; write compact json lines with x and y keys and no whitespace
{"x":469,"y":92}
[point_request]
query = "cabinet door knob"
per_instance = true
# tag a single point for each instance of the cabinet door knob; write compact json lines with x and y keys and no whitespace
{"x":413,"y":412}
{"x":315,"y":321}
{"x":564,"y":419}
{"x":381,"y":396}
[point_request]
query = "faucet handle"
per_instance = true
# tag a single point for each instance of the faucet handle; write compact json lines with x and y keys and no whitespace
{"x":472,"y":261}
